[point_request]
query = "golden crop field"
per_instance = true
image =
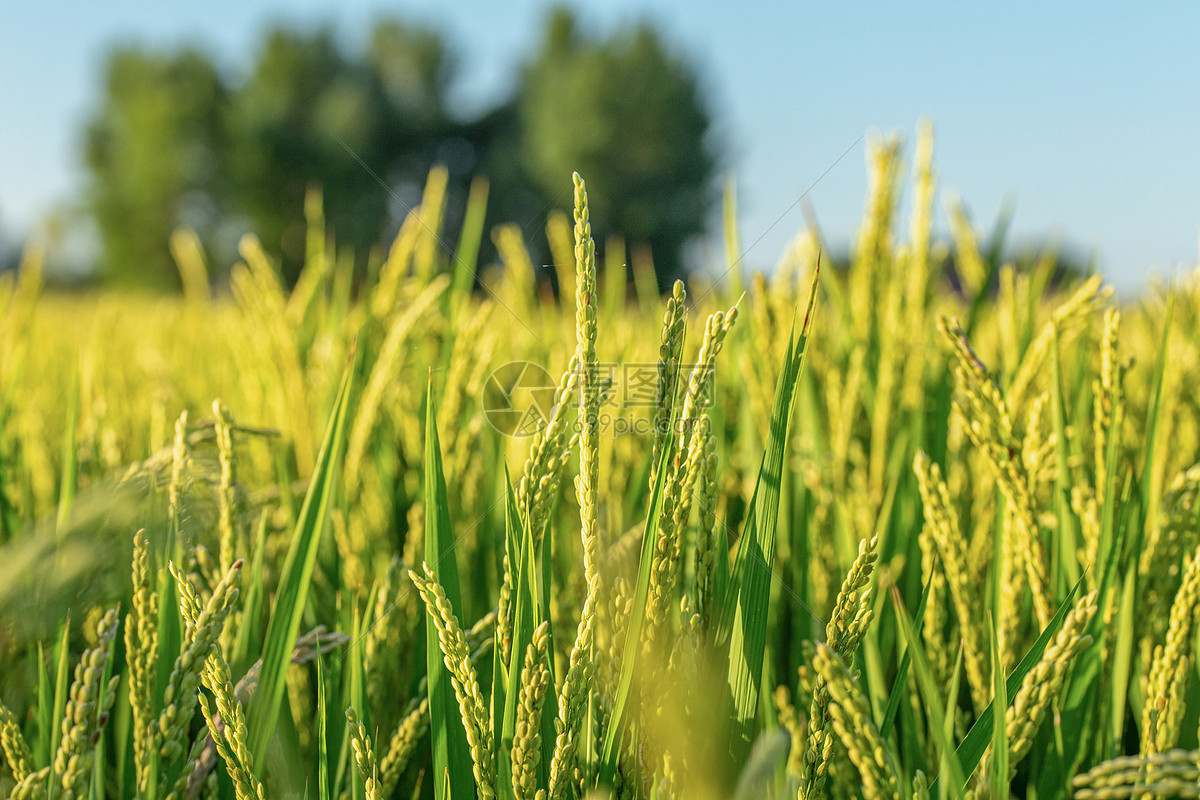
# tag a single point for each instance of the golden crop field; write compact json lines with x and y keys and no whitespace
{"x":910,"y":528}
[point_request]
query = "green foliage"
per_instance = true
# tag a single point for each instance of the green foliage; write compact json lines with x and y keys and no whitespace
{"x":744,"y":619}
{"x":177,"y":139}
{"x":451,"y":753}
{"x":629,"y":113}
{"x":310,"y":114}
{"x":732,"y":540}
{"x":296,"y":577}
{"x":152,"y":150}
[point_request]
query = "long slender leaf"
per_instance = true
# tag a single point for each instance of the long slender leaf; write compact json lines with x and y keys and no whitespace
{"x":743,"y":623}
{"x":357,"y":689}
{"x":62,"y":676}
{"x":973,"y":745}
{"x":900,"y":685}
{"x":452,"y":774}
{"x":1068,"y":524}
{"x":1147,"y":480}
{"x":999,"y":728}
{"x":525,"y":619}
{"x":292,"y":594}
{"x":931,"y":694}
{"x":616,"y":720}
{"x":322,"y":739}
{"x":1122,"y":657}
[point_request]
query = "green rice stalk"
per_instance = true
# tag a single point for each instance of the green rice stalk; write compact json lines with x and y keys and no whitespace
{"x":539,"y":484}
{"x":388,"y":640}
{"x":432,"y":209}
{"x":203,"y":757}
{"x":619,"y":611}
{"x":33,"y":785}
{"x":676,"y":508}
{"x":1041,"y":685}
{"x":670,"y":349}
{"x":933,"y":625}
{"x":941,"y":521}
{"x":966,"y":244}
{"x":1166,"y":685}
{"x":558,"y":235}
{"x":1176,"y":773}
{"x":259,"y":289}
{"x":141,"y":651}
{"x":519,"y":288}
{"x":851,"y":717}
{"x":188,"y":254}
{"x":851,"y":615}
{"x":395,"y":268}
{"x":364,"y":756}
{"x":403,"y":745}
{"x":918,"y":270}
{"x":86,"y":713}
{"x":476,"y":719}
{"x":527,"y":737}
{"x":1067,"y":318}
{"x":1108,"y":416}
{"x":852,"y":612}
{"x":317,"y":261}
{"x":176,"y":488}
{"x":572,"y":700}
{"x":12,"y":742}
{"x":920,"y":786}
{"x":547,"y":454}
{"x":227,"y":725}
{"x":989,"y":425}
{"x":709,"y":538}
{"x":204,"y":626}
{"x":382,"y":377}
{"x":1162,"y":560}
{"x":230,"y":546}
{"x":789,"y":720}
{"x":414,"y":722}
{"x":716,"y":330}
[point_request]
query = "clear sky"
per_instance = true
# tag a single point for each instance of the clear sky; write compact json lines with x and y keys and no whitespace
{"x":1085,"y":115}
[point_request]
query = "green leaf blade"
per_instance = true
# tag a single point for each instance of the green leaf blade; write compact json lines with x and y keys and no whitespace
{"x":292,"y":593}
{"x":452,"y":773}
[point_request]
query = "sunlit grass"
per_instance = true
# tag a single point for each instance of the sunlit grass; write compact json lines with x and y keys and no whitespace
{"x":880,"y":531}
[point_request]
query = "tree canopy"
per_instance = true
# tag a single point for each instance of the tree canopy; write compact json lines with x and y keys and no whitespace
{"x":153,"y":151}
{"x":175,"y":139}
{"x":628,"y":115}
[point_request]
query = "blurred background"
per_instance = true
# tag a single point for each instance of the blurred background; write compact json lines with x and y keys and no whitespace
{"x":1073,"y":126}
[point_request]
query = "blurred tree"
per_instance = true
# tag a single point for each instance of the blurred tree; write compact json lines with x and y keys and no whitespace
{"x":628,"y":116}
{"x":175,"y":141}
{"x":152,"y":151}
{"x":307,"y":114}
{"x":171,"y":144}
{"x":10,"y":251}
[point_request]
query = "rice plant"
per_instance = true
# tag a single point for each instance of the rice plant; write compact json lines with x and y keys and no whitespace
{"x":905,"y":526}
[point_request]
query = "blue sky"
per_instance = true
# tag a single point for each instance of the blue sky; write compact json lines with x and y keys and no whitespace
{"x":1085,"y":116}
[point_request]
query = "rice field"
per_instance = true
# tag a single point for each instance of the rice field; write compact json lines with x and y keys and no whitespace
{"x":912,"y":527}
